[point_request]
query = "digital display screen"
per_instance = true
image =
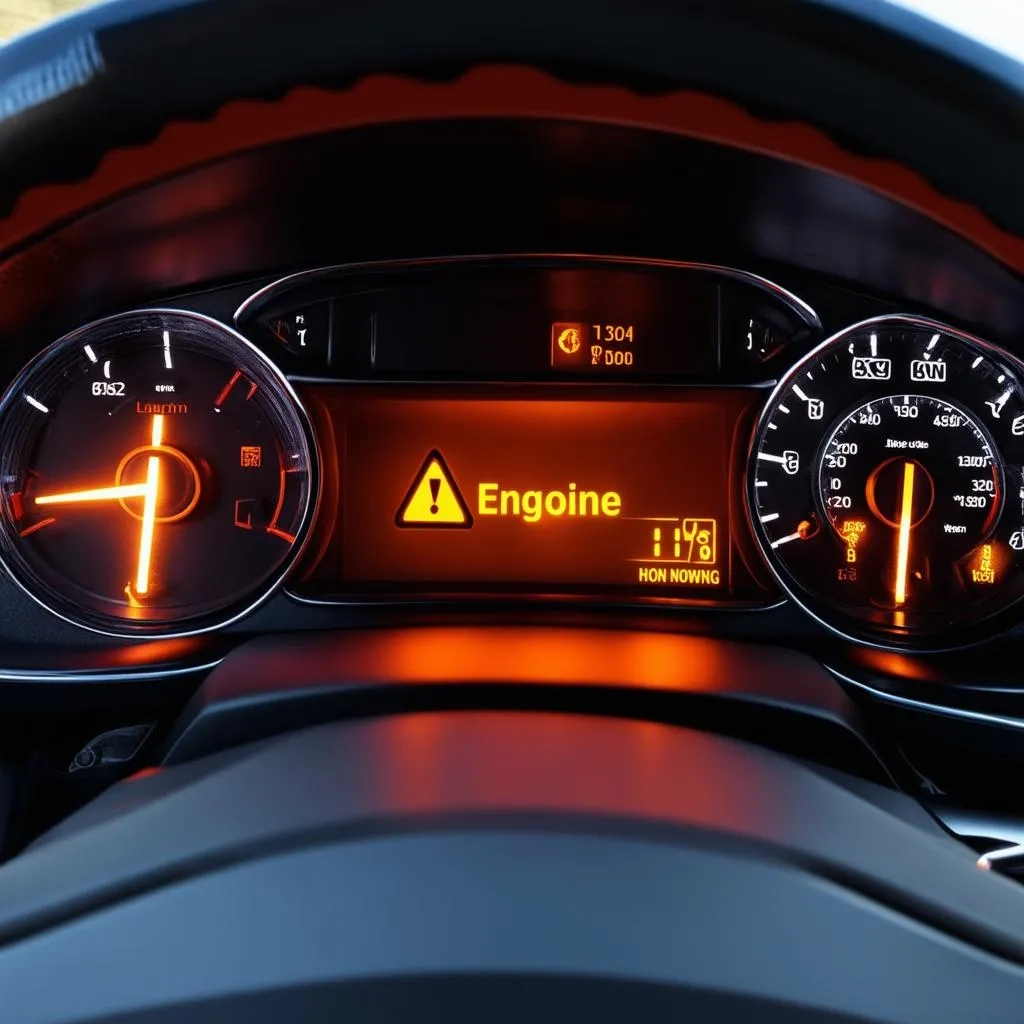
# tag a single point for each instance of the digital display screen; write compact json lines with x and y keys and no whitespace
{"x":534,"y":321}
{"x":535,"y":489}
{"x":581,"y":347}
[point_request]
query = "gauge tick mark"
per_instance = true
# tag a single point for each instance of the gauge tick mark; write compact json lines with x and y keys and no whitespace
{"x":235,"y":378}
{"x":785,"y":540}
{"x":223,"y":396}
{"x":28,"y":531}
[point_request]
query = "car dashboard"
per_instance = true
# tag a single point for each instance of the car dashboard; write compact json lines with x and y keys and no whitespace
{"x":302,"y":433}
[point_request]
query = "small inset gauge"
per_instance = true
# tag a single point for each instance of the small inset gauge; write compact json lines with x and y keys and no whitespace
{"x":886,"y":482}
{"x":158,"y":475}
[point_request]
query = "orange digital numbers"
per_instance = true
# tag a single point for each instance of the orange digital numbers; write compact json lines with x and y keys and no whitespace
{"x":678,"y":545}
{"x":587,"y":347}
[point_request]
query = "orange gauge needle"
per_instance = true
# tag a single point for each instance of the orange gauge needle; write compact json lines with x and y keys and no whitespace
{"x":903,"y":548}
{"x":95,"y":494}
{"x":150,"y":494}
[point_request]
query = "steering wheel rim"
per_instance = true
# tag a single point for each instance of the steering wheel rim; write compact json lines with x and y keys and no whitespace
{"x":866,"y":74}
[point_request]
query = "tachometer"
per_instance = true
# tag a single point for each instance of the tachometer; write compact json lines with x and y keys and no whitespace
{"x":885,"y":482}
{"x":157,"y":475}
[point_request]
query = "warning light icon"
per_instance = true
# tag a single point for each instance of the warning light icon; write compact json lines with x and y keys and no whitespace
{"x":434,"y":499}
{"x":569,"y":340}
{"x":567,"y":344}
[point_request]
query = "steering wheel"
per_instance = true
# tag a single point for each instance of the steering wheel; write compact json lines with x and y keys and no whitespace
{"x":508,"y":864}
{"x":860,"y":87}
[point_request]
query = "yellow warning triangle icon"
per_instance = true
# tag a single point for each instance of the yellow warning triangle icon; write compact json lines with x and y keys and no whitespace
{"x":434,"y":499}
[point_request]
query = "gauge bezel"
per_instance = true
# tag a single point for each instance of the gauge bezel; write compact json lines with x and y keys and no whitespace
{"x":842,"y":625}
{"x":237,"y":610}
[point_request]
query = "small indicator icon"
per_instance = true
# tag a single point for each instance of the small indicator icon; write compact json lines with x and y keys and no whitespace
{"x":567,"y":344}
{"x":251,"y":456}
{"x":851,"y":531}
{"x":434,"y":499}
{"x":569,"y":341}
{"x":984,"y":571}
{"x":245,"y":509}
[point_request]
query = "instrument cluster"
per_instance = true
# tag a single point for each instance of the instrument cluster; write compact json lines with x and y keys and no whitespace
{"x":545,"y":427}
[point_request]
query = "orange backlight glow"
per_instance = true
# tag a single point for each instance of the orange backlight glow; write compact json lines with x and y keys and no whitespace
{"x":520,"y":491}
{"x":150,"y":499}
{"x":906,"y":522}
{"x":518,"y":654}
{"x":985,"y":567}
{"x":93,"y":494}
{"x":851,"y":530}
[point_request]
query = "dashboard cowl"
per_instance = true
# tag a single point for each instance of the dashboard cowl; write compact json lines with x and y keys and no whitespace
{"x":567,"y":818}
{"x":275,"y":684}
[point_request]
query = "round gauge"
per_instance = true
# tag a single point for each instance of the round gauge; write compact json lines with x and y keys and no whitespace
{"x":885,"y":483}
{"x":158,"y":475}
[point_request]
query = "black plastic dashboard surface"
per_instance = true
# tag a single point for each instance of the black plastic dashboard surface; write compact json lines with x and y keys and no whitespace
{"x":477,"y":843}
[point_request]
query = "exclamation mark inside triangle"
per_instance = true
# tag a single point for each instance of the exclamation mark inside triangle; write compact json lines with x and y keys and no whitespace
{"x":434,"y":499}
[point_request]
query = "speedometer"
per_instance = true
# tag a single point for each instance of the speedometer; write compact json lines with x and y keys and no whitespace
{"x":885,"y":483}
